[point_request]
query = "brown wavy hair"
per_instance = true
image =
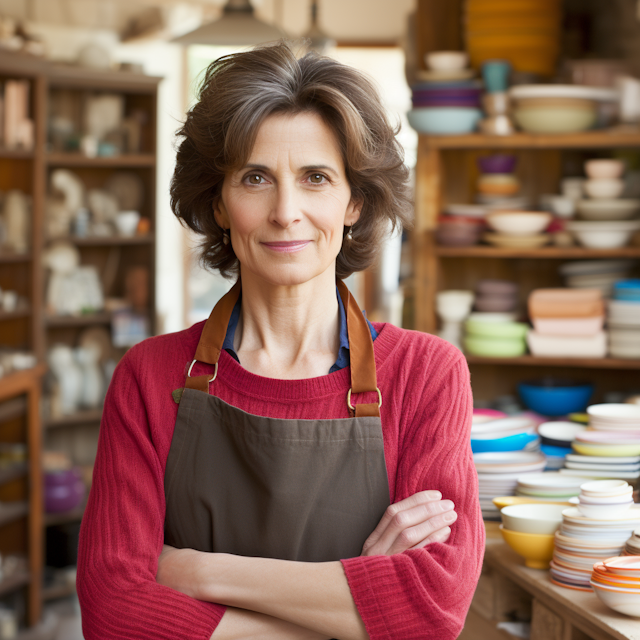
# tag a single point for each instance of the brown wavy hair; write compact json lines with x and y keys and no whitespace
{"x":237,"y":93}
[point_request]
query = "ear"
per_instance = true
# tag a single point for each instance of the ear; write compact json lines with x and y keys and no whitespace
{"x":353,"y":211}
{"x":220,"y":213}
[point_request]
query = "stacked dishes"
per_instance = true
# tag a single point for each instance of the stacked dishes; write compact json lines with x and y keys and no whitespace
{"x":498,"y":474}
{"x":583,"y":540}
{"x":492,"y":335}
{"x":616,"y":581}
{"x":555,"y":441}
{"x":448,"y":101}
{"x":459,"y":231}
{"x":525,"y":33}
{"x":611,"y":448}
{"x":549,"y":487}
{"x":595,"y":274}
{"x":557,"y":108}
{"x":624,"y":320}
{"x":518,"y":229}
{"x":606,"y":218}
{"x":632,"y":546}
{"x":568,"y":323}
{"x":529,"y":529}
{"x":497,"y":181}
{"x":503,"y":434}
{"x":496,"y":296}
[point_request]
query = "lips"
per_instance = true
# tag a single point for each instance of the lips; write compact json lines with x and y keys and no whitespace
{"x":287,"y":247}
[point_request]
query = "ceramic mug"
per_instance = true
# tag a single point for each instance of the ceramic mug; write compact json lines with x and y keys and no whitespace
{"x":496,"y":75}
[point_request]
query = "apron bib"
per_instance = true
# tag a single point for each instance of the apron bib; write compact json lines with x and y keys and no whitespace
{"x":305,"y":490}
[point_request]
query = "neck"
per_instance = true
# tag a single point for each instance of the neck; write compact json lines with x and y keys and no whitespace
{"x":288,"y":331}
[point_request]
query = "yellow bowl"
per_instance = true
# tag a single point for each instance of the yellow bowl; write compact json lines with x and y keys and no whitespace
{"x":507,"y":501}
{"x":607,"y":450}
{"x":535,"y":548}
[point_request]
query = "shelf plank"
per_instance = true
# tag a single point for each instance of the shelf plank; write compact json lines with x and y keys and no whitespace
{"x":15,"y":582}
{"x":78,"y":321}
{"x":538,"y":361}
{"x":64,"y":517}
{"x":21,"y":381}
{"x":603,"y":138}
{"x":13,"y":471}
{"x":91,"y":416}
{"x":110,"y":241}
{"x":12,"y":511}
{"x":15,"y":257}
{"x":16,"y":154}
{"x":14,"y":315}
{"x":121,"y":160}
{"x":482,"y":251}
{"x":12,"y":409}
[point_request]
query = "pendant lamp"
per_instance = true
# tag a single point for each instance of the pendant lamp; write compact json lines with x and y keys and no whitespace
{"x":319,"y":41}
{"x":238,"y":26}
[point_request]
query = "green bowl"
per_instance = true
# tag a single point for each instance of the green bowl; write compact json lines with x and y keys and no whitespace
{"x":494,"y":347}
{"x":497,"y":329}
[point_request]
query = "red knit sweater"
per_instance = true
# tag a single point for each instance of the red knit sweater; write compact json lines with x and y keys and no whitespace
{"x":426,"y":418}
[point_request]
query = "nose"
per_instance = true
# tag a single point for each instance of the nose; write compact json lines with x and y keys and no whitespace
{"x":286,"y":210}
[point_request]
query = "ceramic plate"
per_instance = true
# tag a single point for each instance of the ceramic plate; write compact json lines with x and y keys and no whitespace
{"x":573,"y":457}
{"x":563,"y":91}
{"x":607,"y":450}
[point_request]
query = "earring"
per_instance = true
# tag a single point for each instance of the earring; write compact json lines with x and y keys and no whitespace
{"x":349,"y":236}
{"x":225,"y":237}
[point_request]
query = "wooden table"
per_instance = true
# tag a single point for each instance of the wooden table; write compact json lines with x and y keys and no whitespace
{"x":509,"y":591}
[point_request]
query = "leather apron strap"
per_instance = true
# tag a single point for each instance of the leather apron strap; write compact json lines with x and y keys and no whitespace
{"x":363,"y":366}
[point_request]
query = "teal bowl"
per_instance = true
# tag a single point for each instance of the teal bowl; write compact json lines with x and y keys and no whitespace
{"x":444,"y":121}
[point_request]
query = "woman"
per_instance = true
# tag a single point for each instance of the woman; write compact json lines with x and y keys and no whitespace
{"x":286,"y":469}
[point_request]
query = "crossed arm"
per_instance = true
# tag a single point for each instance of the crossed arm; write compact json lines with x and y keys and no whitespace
{"x":306,"y":601}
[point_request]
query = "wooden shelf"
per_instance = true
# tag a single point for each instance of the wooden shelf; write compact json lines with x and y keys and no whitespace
{"x":16,"y":154}
{"x":77,"y":321}
{"x":119,"y":161}
{"x":110,"y":241}
{"x":14,"y":315}
{"x":12,"y":511}
{"x":19,"y":382}
{"x":15,"y":582}
{"x":481,"y":251}
{"x":537,"y":361}
{"x":92,"y":416}
{"x":601,"y":139}
{"x":12,"y":472}
{"x":12,"y":409}
{"x":15,"y":257}
{"x":64,"y":517}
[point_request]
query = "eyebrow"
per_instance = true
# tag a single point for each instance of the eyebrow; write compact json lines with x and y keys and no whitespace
{"x":309,"y":167}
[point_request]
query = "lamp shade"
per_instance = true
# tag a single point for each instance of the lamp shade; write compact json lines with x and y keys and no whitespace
{"x":238,"y":26}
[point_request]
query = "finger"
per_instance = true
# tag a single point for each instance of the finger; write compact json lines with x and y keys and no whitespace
{"x":442,"y":535}
{"x":414,"y":500}
{"x":405,"y":520}
{"x":413,"y":535}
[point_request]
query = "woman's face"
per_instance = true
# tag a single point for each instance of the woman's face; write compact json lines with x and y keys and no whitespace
{"x":287,"y":207}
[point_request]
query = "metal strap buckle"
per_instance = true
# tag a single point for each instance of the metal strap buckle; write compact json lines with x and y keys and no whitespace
{"x":353,"y":408}
{"x":215,"y":373}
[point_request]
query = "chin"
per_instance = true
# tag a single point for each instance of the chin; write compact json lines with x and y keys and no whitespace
{"x":289,"y":275}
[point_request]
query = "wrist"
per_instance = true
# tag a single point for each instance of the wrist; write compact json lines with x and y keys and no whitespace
{"x":214,"y":571}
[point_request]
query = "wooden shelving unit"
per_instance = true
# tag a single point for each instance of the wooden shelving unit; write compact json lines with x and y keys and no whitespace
{"x":33,"y":328}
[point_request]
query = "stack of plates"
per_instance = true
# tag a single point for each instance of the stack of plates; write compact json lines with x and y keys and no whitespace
{"x":616,"y":581}
{"x":632,"y":546}
{"x":499,"y":473}
{"x":602,"y":467}
{"x":595,"y":274}
{"x":580,"y":542}
{"x":549,"y":486}
{"x":613,"y":416}
{"x":504,"y":434}
{"x":624,"y":320}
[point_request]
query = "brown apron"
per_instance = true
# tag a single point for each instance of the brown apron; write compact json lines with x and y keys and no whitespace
{"x":306,"y":490}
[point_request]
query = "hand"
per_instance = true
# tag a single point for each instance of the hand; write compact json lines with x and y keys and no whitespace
{"x":182,"y":570}
{"x":412,"y":523}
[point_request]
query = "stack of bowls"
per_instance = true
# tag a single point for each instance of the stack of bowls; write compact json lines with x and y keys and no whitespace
{"x":595,"y":274}
{"x":495,"y":339}
{"x":549,"y":486}
{"x":556,"y":438}
{"x":608,"y":221}
{"x":459,"y":231}
{"x":557,"y":108}
{"x":529,"y":530}
{"x":525,"y":33}
{"x":632,"y":545}
{"x":583,"y":540}
{"x":498,"y":474}
{"x":503,"y":434}
{"x":497,"y":182}
{"x":447,"y":101}
{"x":518,"y":229}
{"x":496,"y":296}
{"x":616,"y":581}
{"x":624,"y":320}
{"x":568,"y":323}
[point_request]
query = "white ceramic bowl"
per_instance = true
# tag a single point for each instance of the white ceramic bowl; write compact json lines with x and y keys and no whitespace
{"x":446,"y":60}
{"x":623,"y":601}
{"x":622,"y":351}
{"x":127,"y":222}
{"x":604,"y":487}
{"x":603,"y":235}
{"x":604,"y":188}
{"x":606,"y":209}
{"x":562,"y":206}
{"x":619,"y":499}
{"x":519,"y":223}
{"x":624,"y":566}
{"x":532,"y":518}
{"x":560,"y":430}
{"x":604,"y":169}
{"x":615,"y":412}
{"x":604,"y":511}
{"x":454,"y":305}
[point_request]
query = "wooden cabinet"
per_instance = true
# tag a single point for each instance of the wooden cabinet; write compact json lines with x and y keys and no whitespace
{"x":446,"y":172}
{"x":33,"y":327}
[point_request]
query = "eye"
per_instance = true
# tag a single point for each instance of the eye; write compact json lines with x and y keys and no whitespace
{"x":317,"y":178}
{"x":254,"y":178}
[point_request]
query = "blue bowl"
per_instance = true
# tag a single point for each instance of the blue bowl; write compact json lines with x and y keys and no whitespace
{"x":444,"y":120}
{"x":516,"y":442}
{"x":555,"y":397}
{"x":554,"y":452}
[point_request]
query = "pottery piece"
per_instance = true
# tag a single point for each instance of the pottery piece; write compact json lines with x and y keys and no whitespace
{"x":16,"y":212}
{"x":68,"y":376}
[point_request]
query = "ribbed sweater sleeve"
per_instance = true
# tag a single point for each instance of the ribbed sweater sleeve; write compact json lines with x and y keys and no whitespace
{"x":123,"y":529}
{"x":426,"y":593}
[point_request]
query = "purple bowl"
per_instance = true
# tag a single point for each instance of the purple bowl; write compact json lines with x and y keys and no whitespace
{"x":448,"y":93}
{"x":498,"y":163}
{"x":446,"y":102}
{"x":63,"y":490}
